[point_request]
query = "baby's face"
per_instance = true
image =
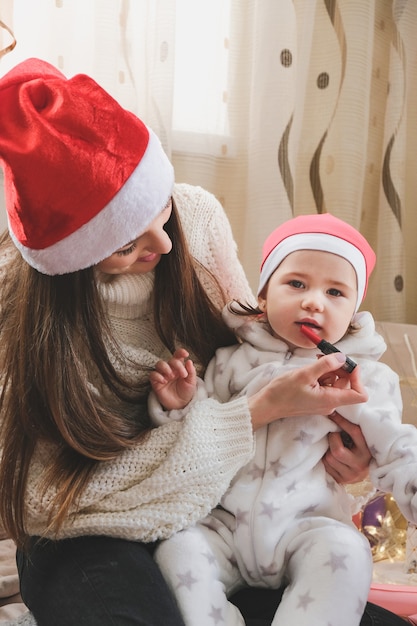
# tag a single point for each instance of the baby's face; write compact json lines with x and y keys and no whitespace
{"x":310,"y":287}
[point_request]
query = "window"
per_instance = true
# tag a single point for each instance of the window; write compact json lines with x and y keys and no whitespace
{"x":200,"y":117}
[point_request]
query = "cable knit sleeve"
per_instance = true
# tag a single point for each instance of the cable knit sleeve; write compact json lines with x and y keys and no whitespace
{"x":171,"y":479}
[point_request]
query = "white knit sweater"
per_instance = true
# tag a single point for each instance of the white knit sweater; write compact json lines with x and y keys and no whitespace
{"x":179,"y":471}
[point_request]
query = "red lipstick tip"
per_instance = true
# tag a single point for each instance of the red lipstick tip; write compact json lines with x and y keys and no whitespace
{"x":308,"y":332}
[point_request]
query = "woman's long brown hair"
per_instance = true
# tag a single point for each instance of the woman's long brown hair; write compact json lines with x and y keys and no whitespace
{"x":53,"y":333}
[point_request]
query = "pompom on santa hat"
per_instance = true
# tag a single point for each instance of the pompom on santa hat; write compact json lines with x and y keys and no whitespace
{"x":323,"y":232}
{"x":83,"y":176}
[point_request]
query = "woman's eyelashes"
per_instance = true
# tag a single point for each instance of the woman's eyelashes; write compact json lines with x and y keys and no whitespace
{"x":128,"y":250}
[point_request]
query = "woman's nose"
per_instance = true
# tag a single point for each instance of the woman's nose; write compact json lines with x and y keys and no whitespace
{"x":159,"y":241}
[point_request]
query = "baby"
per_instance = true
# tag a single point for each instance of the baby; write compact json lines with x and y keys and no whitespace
{"x":284,"y":520}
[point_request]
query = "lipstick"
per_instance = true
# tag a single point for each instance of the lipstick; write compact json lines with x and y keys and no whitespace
{"x":326,"y":347}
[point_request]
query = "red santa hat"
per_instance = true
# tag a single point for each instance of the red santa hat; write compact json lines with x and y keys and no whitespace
{"x":319,"y":232}
{"x":83,"y":176}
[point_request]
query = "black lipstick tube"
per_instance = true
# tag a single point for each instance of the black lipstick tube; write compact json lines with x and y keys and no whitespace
{"x":327,"y":348}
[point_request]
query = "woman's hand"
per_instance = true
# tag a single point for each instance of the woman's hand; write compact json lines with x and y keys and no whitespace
{"x":302,"y":392}
{"x":347,"y":464}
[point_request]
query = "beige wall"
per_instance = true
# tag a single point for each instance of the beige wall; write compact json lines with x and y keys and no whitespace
{"x":401,"y":356}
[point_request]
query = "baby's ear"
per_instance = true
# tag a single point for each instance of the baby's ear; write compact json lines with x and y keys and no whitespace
{"x":261,"y":303}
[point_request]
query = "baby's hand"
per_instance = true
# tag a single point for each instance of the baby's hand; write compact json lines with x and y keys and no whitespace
{"x":174,"y":382}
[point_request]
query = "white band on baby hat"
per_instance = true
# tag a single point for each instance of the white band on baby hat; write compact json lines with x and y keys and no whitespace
{"x":316,"y":241}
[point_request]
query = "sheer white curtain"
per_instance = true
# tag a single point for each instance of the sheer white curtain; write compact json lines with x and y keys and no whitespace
{"x":278,"y":107}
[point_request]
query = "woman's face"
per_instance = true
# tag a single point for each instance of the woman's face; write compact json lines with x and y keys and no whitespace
{"x":143,"y":254}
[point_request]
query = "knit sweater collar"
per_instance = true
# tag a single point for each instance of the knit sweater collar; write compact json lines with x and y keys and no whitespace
{"x":127,"y":295}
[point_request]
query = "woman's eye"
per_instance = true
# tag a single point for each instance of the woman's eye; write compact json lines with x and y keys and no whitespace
{"x":127,"y":251}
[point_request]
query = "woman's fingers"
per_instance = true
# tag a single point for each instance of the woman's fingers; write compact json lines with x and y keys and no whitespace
{"x":347,"y":464}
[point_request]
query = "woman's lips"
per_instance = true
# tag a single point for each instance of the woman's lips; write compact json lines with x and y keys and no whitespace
{"x":148,"y":258}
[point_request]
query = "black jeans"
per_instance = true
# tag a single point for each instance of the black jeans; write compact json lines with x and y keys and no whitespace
{"x":100,"y":581}
{"x":95,"y":581}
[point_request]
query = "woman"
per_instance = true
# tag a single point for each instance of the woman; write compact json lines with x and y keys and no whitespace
{"x":106,"y":269}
